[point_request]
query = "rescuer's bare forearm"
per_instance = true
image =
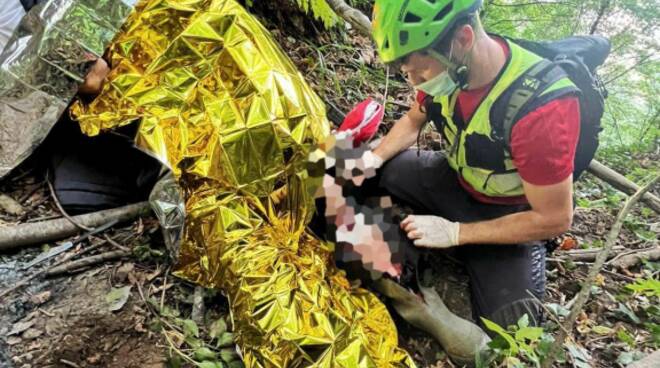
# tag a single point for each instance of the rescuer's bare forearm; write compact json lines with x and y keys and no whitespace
{"x":402,"y":135}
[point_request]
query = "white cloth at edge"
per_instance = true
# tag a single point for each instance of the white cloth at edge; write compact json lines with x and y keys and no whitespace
{"x":11,"y":13}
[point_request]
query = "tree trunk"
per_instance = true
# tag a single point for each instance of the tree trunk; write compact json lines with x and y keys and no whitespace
{"x":353,"y":16}
{"x":40,"y":232}
{"x":620,"y":182}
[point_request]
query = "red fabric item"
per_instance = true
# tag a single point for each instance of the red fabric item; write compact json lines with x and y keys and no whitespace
{"x":364,"y":119}
{"x":420,"y":97}
{"x":543,"y":142}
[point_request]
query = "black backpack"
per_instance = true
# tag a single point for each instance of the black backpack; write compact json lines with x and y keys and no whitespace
{"x":578,"y":58}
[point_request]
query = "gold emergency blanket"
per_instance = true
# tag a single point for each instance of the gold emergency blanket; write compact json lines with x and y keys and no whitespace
{"x":222,"y":105}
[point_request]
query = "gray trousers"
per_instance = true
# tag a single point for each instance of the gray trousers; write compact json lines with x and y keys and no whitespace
{"x":501,"y":276}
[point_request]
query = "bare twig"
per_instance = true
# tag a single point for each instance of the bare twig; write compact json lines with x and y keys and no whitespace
{"x":166,"y":323}
{"x":162,"y":295}
{"x":61,"y":209}
{"x":585,"y":290}
{"x":69,"y":363}
{"x":115,"y":244}
{"x":85,"y":262}
{"x":618,"y":275}
{"x":604,"y":4}
{"x":584,"y":255}
{"x":29,"y":192}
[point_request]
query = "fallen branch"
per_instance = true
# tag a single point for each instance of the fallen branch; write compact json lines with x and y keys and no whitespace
{"x":585,"y":290}
{"x":621,"y":183}
{"x":585,"y":255}
{"x":85,"y":262}
{"x":353,"y":16}
{"x":630,"y":260}
{"x":12,"y":237}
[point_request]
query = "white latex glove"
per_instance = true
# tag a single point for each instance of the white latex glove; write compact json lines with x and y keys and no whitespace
{"x":431,"y":231}
{"x":377,"y":161}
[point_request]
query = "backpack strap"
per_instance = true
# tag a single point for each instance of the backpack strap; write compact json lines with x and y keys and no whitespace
{"x":525,"y":90}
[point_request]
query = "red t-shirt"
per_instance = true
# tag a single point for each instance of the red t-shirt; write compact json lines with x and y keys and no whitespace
{"x":543,"y":142}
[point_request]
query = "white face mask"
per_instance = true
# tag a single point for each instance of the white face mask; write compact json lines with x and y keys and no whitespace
{"x":442,"y":84}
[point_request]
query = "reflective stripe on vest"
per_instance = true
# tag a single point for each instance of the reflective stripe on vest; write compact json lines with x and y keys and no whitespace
{"x":481,"y":160}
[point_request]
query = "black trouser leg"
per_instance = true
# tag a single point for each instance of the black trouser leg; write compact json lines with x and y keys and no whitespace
{"x":505,"y":283}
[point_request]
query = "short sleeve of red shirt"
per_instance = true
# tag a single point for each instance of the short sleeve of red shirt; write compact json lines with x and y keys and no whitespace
{"x":543,"y":142}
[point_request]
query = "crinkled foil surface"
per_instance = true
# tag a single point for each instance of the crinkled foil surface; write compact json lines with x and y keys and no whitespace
{"x":44,"y":63}
{"x":221,"y":104}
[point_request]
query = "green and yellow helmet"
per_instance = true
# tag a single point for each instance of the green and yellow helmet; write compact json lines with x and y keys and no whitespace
{"x":404,"y":26}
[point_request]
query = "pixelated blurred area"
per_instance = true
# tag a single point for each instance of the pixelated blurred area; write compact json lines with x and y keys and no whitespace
{"x":360,"y":218}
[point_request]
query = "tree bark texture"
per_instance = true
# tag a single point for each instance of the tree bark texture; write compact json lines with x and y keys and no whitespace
{"x":353,"y":16}
{"x":12,"y":237}
{"x":620,"y":182}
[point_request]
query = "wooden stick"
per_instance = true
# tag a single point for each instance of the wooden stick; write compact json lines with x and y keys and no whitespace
{"x":636,"y":258}
{"x":41,"y":232}
{"x":585,"y":290}
{"x":621,"y":183}
{"x":584,"y":255}
{"x":89,"y":261}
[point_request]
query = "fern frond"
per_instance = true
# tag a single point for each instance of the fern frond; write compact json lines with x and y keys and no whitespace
{"x":318,"y":8}
{"x":321,"y":10}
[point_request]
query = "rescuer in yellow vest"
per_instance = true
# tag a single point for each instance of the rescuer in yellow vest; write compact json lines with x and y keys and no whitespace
{"x":493,"y":204}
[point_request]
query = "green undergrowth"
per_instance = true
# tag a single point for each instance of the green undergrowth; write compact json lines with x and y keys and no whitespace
{"x":627,"y":330}
{"x":207,"y":343}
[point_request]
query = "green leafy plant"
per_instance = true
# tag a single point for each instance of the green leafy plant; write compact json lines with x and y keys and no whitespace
{"x":517,"y":346}
{"x":209,"y":346}
{"x":640,"y":228}
{"x":623,"y":336}
{"x":321,"y":10}
{"x":318,"y":8}
{"x":145,"y":252}
{"x":648,"y":287}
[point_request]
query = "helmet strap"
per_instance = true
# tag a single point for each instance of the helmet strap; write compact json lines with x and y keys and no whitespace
{"x":459,"y":72}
